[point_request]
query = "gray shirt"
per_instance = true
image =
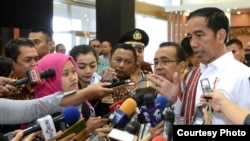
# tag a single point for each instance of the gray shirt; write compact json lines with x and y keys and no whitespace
{"x":24,"y":111}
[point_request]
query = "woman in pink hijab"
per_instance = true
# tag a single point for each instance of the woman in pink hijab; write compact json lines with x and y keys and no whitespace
{"x":66,"y":78}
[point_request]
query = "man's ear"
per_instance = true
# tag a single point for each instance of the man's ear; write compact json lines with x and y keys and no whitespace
{"x":51,"y":43}
{"x":222,"y":34}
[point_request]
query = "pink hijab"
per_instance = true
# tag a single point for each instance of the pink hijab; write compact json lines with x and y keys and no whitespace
{"x":51,"y":85}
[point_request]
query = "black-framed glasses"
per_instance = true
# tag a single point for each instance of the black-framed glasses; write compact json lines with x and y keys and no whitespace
{"x":165,"y":62}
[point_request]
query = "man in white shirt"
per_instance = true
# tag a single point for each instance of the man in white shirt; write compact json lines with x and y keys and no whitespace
{"x":207,"y":29}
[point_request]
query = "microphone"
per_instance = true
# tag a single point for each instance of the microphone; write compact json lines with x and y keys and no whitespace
{"x":123,"y":114}
{"x":159,"y":138}
{"x":68,"y":115}
{"x":162,"y":100}
{"x":138,"y":94}
{"x":132,"y":127}
{"x":112,"y":108}
{"x":151,"y":112}
{"x":128,"y":134}
{"x":116,"y":105}
{"x":168,"y":124}
{"x":33,"y":78}
{"x":247,"y":120}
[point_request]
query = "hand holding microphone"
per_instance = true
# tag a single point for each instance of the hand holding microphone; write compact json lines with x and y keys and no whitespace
{"x":69,"y":116}
{"x":5,"y":88}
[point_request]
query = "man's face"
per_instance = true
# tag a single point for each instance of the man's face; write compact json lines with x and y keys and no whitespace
{"x":140,"y":54}
{"x":247,"y":48}
{"x":166,"y":63}
{"x":237,"y":52}
{"x":97,"y":46}
{"x":207,"y":45}
{"x":123,"y":62}
{"x":61,"y":49}
{"x":26,"y":59}
{"x":106,"y":48}
{"x":43,"y":46}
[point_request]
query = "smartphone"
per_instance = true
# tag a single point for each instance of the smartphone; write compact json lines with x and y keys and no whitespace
{"x":119,"y":83}
{"x":205,"y":85}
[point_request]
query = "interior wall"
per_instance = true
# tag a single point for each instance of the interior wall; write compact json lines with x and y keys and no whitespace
{"x":240,"y":27}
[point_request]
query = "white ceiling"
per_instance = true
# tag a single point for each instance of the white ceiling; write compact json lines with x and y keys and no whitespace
{"x":222,"y":4}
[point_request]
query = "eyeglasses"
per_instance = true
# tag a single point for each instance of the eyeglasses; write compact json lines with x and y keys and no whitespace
{"x":164,"y":62}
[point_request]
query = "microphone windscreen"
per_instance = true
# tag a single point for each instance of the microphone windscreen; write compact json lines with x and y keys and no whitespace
{"x":71,"y":114}
{"x":132,"y":127}
{"x":48,"y":73}
{"x":162,"y":100}
{"x":159,"y":138}
{"x":128,"y":106}
{"x":149,"y":100}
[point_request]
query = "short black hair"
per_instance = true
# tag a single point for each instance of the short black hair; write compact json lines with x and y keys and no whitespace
{"x":12,"y":47}
{"x":180,"y":54}
{"x":185,"y":45}
{"x":235,"y":41}
{"x":45,"y":31}
{"x":93,"y":40}
{"x":82,"y":49}
{"x":124,"y":46}
{"x":58,"y":45}
{"x":216,"y":19}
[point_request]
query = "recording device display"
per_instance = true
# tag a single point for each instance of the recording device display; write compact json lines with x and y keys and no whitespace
{"x":205,"y":85}
{"x":33,"y":78}
{"x":118,"y":83}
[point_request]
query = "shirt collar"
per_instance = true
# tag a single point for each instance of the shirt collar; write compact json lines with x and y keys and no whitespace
{"x":220,"y":63}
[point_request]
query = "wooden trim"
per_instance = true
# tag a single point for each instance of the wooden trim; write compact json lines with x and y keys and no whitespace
{"x":16,"y":33}
{"x":149,"y":9}
{"x":235,"y":31}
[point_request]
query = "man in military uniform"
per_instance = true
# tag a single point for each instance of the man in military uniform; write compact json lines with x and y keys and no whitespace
{"x":139,"y":39}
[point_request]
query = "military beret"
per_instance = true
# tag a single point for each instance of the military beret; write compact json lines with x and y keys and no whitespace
{"x":135,"y":36}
